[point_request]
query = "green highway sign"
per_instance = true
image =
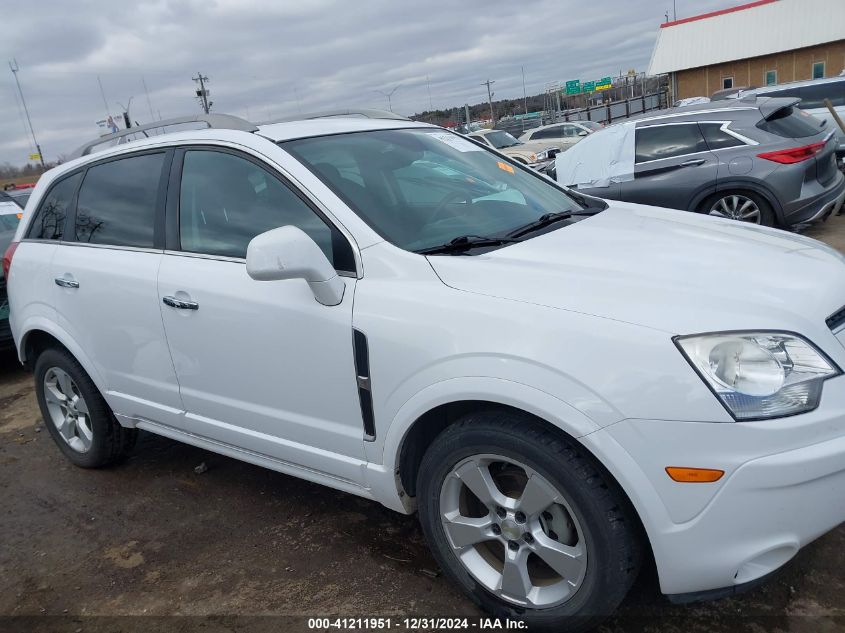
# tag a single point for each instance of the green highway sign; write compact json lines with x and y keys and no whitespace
{"x":603,"y":84}
{"x":573,"y":87}
{"x":589,"y":86}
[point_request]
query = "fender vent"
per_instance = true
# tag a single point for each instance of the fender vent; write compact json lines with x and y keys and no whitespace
{"x":365,"y":390}
{"x":836,"y":320}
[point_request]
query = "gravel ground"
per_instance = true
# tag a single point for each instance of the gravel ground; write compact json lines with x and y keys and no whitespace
{"x":152,"y":537}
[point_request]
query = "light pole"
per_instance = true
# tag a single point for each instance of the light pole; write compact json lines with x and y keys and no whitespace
{"x":389,"y":95}
{"x":13,"y":66}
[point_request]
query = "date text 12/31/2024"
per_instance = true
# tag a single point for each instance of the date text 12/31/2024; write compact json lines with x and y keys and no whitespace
{"x":414,"y":624}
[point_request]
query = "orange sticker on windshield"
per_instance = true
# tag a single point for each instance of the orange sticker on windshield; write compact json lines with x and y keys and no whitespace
{"x":505,"y":167}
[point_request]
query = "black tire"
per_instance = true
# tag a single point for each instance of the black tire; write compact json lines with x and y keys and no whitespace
{"x":111,"y":442}
{"x":767,"y":215}
{"x":611,"y":531}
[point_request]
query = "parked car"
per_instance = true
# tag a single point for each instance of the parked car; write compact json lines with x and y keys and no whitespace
{"x":560,"y":135}
{"x":760,"y":160}
{"x":680,"y":103}
{"x":532,"y":153}
{"x":812,"y":93}
{"x":562,"y":388}
{"x":10,"y":213}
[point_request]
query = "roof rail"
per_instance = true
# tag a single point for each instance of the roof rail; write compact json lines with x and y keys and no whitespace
{"x":347,"y":112}
{"x":221,"y":121}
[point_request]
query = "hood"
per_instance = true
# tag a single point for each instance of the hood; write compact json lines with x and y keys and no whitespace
{"x":670,"y":270}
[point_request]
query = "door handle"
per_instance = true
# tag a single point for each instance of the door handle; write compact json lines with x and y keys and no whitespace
{"x":66,"y":283}
{"x":173,"y":302}
{"x":694,"y":163}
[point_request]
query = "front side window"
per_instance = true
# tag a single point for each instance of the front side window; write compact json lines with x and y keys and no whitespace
{"x":226,"y":200}
{"x":554,"y":131}
{"x":668,"y":141}
{"x":420,"y":188}
{"x":818,"y":70}
{"x":117,"y":202}
{"x":48,"y":223}
{"x":771,"y":77}
{"x":727,"y":83}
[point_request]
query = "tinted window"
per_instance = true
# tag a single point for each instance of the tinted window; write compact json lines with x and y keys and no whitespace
{"x":818,"y":70}
{"x":791,"y":123}
{"x":227,"y":200}
{"x":555,"y":131}
{"x":814,"y":96}
{"x":716,"y":138}
{"x":727,"y":82}
{"x":117,"y":202}
{"x":667,"y":141}
{"x":49,"y":221}
{"x":771,"y":77}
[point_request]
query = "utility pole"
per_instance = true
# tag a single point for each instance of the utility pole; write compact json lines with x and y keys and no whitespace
{"x":524,"y":97}
{"x":203,"y":92}
{"x":466,"y":114}
{"x":430,"y":102}
{"x":149,"y":103}
{"x":490,"y":94}
{"x":389,"y":95}
{"x":13,"y":66}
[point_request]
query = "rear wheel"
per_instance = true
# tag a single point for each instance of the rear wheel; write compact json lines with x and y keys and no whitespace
{"x":526,"y":523}
{"x":744,"y":206}
{"x":75,"y":413}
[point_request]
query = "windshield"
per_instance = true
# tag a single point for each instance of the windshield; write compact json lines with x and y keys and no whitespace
{"x":420,"y":188}
{"x":500,"y":139}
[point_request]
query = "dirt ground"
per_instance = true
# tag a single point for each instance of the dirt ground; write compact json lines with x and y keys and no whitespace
{"x":153,"y":538}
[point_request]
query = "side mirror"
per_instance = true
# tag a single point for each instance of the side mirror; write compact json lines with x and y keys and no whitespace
{"x":583,"y":133}
{"x":288,"y":253}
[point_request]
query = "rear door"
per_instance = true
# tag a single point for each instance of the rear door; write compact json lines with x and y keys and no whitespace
{"x":104,"y":283}
{"x":673,"y":167}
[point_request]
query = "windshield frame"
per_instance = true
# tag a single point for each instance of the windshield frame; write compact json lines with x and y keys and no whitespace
{"x":580,"y":201}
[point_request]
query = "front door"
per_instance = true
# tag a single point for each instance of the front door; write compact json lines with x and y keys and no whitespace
{"x":262,"y":366}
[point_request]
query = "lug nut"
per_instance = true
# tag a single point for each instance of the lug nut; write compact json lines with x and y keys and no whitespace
{"x":513,"y":545}
{"x":501,"y":512}
{"x":496,"y":529}
{"x":520,"y":517}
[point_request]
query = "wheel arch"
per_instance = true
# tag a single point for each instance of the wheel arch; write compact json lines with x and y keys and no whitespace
{"x":41,"y":334}
{"x":430,"y":424}
{"x":739,"y":185}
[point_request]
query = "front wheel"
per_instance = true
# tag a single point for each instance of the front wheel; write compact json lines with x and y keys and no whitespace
{"x":744,"y":206}
{"x":526,"y":523}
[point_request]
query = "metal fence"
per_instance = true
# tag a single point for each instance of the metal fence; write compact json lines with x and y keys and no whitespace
{"x":602,"y":113}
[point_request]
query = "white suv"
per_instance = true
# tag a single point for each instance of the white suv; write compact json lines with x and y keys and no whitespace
{"x":560,"y":388}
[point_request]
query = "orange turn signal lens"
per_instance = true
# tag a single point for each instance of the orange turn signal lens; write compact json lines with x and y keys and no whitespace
{"x":694,"y":475}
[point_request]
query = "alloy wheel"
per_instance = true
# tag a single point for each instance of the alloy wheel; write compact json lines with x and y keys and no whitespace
{"x":513,"y":531}
{"x":737,"y":207}
{"x":68,"y":410}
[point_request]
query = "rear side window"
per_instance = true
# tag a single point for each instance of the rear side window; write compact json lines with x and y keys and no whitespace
{"x":117,"y":202}
{"x":814,"y":96}
{"x":550,"y":132}
{"x":48,"y":223}
{"x":667,"y":141}
{"x":717,"y":138}
{"x":790,"y":123}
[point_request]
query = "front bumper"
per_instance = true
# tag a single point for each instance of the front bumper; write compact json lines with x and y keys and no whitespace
{"x":784,"y":486}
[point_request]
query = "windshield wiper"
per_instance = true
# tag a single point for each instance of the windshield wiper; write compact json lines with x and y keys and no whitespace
{"x":464,"y":243}
{"x":548,"y":219}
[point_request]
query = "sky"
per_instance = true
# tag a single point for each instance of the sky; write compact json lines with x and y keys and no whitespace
{"x":271,"y":59}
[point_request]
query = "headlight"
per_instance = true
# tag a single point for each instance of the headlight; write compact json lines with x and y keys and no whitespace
{"x":544,"y":155}
{"x":759,"y":375}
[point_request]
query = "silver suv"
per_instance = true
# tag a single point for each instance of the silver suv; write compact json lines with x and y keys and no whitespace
{"x":756,"y":159}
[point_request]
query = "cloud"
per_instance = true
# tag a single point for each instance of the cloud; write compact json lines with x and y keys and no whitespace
{"x":270,"y":59}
